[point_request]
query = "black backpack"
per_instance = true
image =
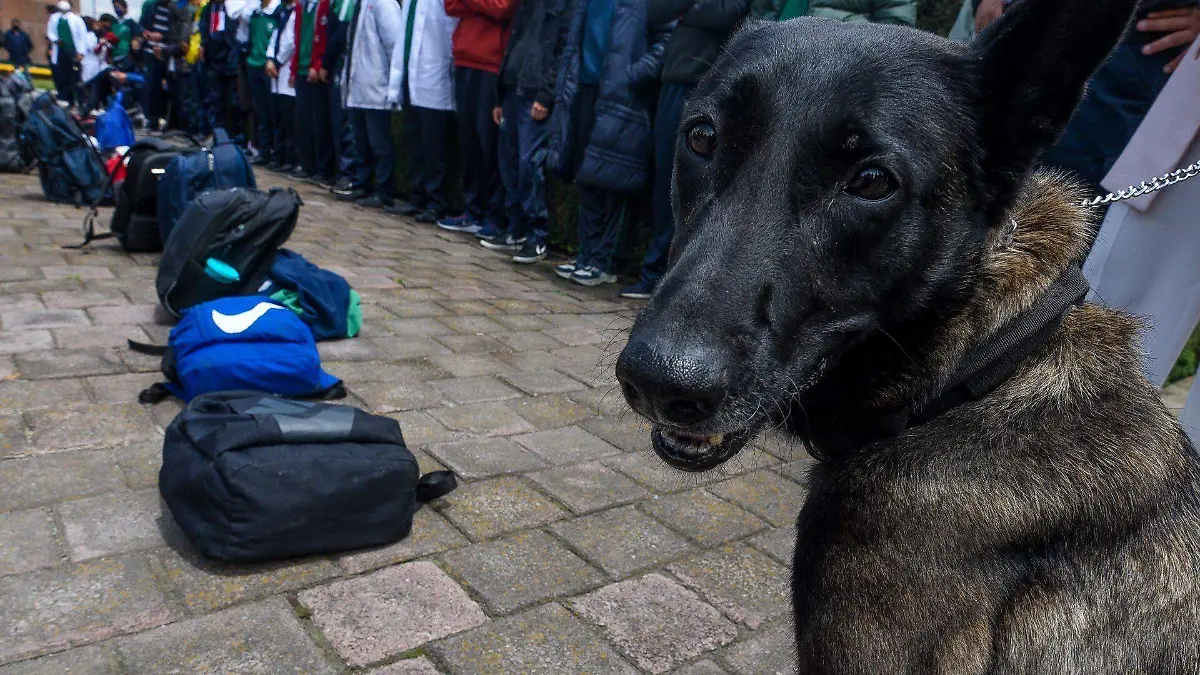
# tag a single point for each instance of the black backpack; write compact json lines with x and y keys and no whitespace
{"x":135,"y":220}
{"x":240,"y":228}
{"x":251,"y":477}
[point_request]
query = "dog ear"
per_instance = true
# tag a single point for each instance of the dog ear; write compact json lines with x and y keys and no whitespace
{"x":1035,"y":61}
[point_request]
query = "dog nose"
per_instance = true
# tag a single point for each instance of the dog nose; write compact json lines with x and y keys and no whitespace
{"x":681,"y":386}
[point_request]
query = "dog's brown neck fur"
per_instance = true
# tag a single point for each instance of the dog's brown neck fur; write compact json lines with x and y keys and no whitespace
{"x":1052,"y":232}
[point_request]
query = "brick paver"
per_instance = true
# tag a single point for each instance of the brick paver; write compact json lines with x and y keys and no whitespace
{"x":568,"y":548}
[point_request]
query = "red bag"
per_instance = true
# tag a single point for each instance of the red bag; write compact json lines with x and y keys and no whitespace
{"x":116,"y":163}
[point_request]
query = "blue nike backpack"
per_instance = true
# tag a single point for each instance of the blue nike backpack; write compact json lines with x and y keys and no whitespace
{"x":245,"y":343}
{"x":114,"y":129}
{"x":190,"y":174}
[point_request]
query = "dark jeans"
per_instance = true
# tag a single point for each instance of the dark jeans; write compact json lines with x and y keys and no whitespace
{"x":1118,"y":97}
{"x":283,"y":126}
{"x":264,"y":114}
{"x":522,"y":164}
{"x":601,"y":213}
{"x":666,"y":128}
{"x":180,"y":92}
{"x":425,"y":135}
{"x":374,"y":151}
{"x":314,"y":136}
{"x":65,"y":75}
{"x":223,"y":108}
{"x":474,"y":98}
{"x":345,"y":162}
{"x":196,"y":81}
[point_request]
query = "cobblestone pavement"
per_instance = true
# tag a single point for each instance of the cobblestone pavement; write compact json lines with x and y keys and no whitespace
{"x":568,"y":548}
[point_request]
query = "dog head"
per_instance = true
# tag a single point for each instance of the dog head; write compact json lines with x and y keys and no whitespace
{"x":834,"y":188}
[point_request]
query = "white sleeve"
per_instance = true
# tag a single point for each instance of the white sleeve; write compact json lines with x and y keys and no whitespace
{"x":287,"y":42}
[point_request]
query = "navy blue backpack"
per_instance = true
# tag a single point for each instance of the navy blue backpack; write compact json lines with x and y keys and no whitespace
{"x":70,"y":169}
{"x":245,"y":343}
{"x":190,"y":174}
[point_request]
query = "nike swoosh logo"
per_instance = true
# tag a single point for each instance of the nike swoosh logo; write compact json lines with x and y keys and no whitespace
{"x":237,"y":323}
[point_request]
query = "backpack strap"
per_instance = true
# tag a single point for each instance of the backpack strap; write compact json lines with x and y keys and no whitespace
{"x":221,"y":137}
{"x":89,"y":221}
{"x":435,"y":484}
{"x":143,"y":348}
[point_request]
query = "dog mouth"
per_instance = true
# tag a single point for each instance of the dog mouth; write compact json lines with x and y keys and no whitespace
{"x":696,"y":453}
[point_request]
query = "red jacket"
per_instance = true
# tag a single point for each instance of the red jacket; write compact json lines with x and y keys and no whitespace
{"x":482,"y":33}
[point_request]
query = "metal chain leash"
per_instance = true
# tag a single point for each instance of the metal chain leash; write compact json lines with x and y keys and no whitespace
{"x":1146,"y":187}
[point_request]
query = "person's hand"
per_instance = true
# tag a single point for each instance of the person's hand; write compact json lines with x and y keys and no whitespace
{"x":200,"y":53}
{"x":292,"y":81}
{"x":323,"y":75}
{"x":153,"y":36}
{"x":271,"y":70}
{"x":158,"y":53}
{"x":79,"y":58}
{"x":497,"y":115}
{"x":987,"y":12}
{"x":539,"y":112}
{"x":117,"y":77}
{"x":1181,"y":26}
{"x":313,"y":75}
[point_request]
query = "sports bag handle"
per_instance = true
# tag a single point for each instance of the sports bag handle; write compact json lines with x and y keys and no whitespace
{"x":221,"y":137}
{"x":435,"y":484}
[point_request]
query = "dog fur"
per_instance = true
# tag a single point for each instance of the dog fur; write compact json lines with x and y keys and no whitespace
{"x":1052,"y":526}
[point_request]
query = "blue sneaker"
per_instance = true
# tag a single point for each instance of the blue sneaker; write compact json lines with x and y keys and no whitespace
{"x":592,"y":276}
{"x":639,"y":290}
{"x":462,"y":223}
{"x":566,"y":269}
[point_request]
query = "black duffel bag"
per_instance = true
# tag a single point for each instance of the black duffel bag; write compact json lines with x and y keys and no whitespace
{"x":253,"y":477}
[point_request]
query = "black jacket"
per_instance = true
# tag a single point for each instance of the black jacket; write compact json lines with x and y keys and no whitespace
{"x":534,"y":49}
{"x":704,"y":25}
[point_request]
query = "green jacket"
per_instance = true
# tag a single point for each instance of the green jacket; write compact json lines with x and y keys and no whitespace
{"x":876,"y":11}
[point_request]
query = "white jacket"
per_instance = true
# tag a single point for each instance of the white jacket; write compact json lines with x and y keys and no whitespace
{"x":79,"y":33}
{"x":431,"y":64}
{"x":94,"y":60}
{"x":369,"y":61}
{"x":283,"y":45}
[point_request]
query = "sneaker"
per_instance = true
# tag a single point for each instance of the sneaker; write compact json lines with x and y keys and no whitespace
{"x":374,"y":202}
{"x":298,"y":174}
{"x":566,"y":269}
{"x":640,"y":290}
{"x":344,"y":187}
{"x":320,"y":181}
{"x":427,"y":216}
{"x":592,"y":276}
{"x":462,"y":223}
{"x":402,"y":209}
{"x":489,"y":231}
{"x":533,"y":251}
{"x":502,"y":242}
{"x":263,"y":160}
{"x":351,"y":195}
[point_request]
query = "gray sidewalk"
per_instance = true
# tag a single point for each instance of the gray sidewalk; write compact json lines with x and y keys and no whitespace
{"x":568,"y":548}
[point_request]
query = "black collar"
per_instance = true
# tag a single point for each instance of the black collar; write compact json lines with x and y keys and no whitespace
{"x":981,"y":370}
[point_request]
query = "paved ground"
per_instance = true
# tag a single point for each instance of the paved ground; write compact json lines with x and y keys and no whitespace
{"x":569,"y":547}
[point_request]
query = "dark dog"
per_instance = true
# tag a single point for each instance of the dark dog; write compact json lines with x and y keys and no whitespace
{"x":864,"y":259}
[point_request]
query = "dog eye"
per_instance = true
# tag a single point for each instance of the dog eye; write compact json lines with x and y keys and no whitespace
{"x":702,"y":139}
{"x":872,"y":183}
